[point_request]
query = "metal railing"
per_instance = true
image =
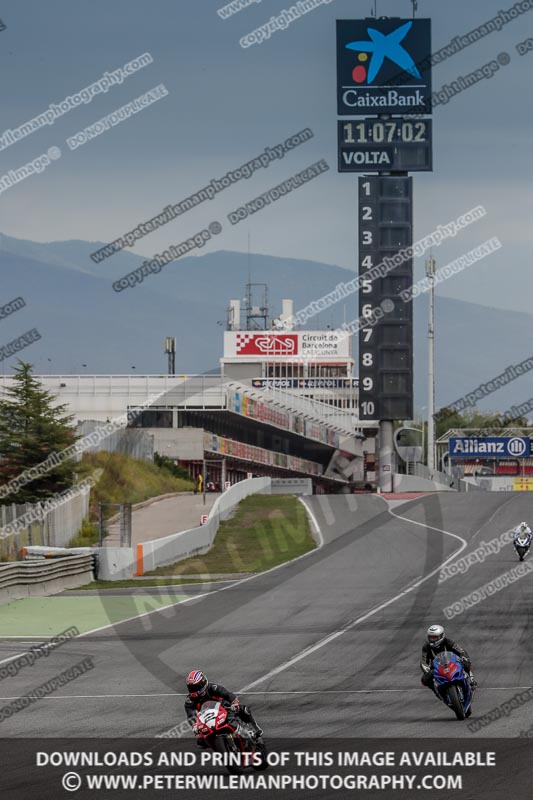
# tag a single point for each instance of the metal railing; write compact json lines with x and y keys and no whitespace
{"x":322,"y":413}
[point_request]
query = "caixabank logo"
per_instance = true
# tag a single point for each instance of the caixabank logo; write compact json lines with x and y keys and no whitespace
{"x":383,"y":66}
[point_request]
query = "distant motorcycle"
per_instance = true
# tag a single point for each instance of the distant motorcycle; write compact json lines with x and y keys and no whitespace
{"x":452,"y":685}
{"x":225,"y":732}
{"x":522,"y":544}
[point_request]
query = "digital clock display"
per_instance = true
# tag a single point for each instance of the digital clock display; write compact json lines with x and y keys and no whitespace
{"x":394,"y":131}
{"x":400,"y":144}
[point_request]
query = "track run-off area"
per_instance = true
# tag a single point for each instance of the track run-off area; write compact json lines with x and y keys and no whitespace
{"x":327,"y":645}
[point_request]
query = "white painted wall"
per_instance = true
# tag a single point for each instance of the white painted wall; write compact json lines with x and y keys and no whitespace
{"x":160,"y":552}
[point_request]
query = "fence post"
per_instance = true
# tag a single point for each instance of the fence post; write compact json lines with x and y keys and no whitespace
{"x":100,"y":524}
{"x":122,"y":525}
{"x":128,"y":523}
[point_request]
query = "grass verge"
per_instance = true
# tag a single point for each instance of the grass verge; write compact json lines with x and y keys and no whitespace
{"x":129,"y":480}
{"x":132,"y":583}
{"x":266,"y":530}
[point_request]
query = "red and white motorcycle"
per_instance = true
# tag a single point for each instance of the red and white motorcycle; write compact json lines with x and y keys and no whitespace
{"x":222,"y":730}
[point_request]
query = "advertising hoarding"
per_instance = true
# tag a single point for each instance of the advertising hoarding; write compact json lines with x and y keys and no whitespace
{"x":268,"y":345}
{"x":489,"y":447}
{"x":383,"y":66}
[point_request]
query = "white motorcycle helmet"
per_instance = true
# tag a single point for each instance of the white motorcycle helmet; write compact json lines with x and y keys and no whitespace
{"x":435,"y":635}
{"x":523,"y":527}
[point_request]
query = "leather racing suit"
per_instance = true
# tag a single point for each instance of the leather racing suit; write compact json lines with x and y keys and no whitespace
{"x":218,"y":693}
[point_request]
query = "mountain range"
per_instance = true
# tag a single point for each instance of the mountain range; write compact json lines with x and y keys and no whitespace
{"x":82,"y":321}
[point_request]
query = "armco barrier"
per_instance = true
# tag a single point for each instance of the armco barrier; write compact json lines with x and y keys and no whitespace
{"x":112,"y":563}
{"x":21,"y":579}
{"x":195,"y":541}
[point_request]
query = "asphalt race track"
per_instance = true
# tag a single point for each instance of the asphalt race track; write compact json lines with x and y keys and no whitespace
{"x":315,"y":645}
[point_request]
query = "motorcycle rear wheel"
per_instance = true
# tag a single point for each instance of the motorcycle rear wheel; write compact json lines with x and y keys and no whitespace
{"x":455,"y":702}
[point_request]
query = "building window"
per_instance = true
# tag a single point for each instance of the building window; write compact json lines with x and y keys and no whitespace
{"x":152,"y":418}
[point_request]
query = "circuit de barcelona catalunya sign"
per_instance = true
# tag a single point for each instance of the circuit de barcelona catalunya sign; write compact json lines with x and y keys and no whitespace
{"x":383,"y":66}
{"x":489,"y":447}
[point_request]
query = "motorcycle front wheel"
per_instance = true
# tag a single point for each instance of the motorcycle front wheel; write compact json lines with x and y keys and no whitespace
{"x":261,"y":749}
{"x":225,"y":744}
{"x":455,"y":702}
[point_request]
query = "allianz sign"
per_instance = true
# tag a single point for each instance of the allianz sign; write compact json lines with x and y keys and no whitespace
{"x":504,"y":447}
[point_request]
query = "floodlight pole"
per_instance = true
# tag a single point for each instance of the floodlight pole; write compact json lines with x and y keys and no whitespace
{"x":430,"y":273}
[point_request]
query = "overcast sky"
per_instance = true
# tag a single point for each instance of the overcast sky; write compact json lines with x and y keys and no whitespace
{"x":225,"y":104}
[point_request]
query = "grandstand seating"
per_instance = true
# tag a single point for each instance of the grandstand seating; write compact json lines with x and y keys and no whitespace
{"x":503,"y":467}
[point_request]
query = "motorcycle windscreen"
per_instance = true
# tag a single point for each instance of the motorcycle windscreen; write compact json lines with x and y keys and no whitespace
{"x":208,"y":712}
{"x":445,"y":658}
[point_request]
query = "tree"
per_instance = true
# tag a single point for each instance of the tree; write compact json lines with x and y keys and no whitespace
{"x":445,"y":419}
{"x":32,"y":427}
{"x":164,"y":462}
{"x":491,"y":423}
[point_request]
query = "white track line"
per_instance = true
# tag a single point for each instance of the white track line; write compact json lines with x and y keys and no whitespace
{"x":314,"y":521}
{"x":341,"y":631}
{"x":11,"y":658}
{"x":192,"y":597}
{"x":296,"y":692}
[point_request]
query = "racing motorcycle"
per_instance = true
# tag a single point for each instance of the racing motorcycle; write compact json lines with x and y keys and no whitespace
{"x":451,"y":684}
{"x":522,"y":544}
{"x":225,"y":732}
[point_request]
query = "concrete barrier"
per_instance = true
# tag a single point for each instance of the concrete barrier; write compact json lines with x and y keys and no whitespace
{"x":498,"y":483}
{"x":195,"y":541}
{"x":295,"y":486}
{"x":122,"y":563}
{"x":116,"y":563}
{"x":412,"y":483}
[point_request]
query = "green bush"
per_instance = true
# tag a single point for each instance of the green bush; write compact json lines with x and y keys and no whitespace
{"x":87,"y":535}
{"x":127,"y":480}
{"x":169,"y":464}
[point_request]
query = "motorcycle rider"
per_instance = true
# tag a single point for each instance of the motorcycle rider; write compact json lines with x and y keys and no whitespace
{"x":200,"y":691}
{"x":523,"y":530}
{"x":437,"y":641}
